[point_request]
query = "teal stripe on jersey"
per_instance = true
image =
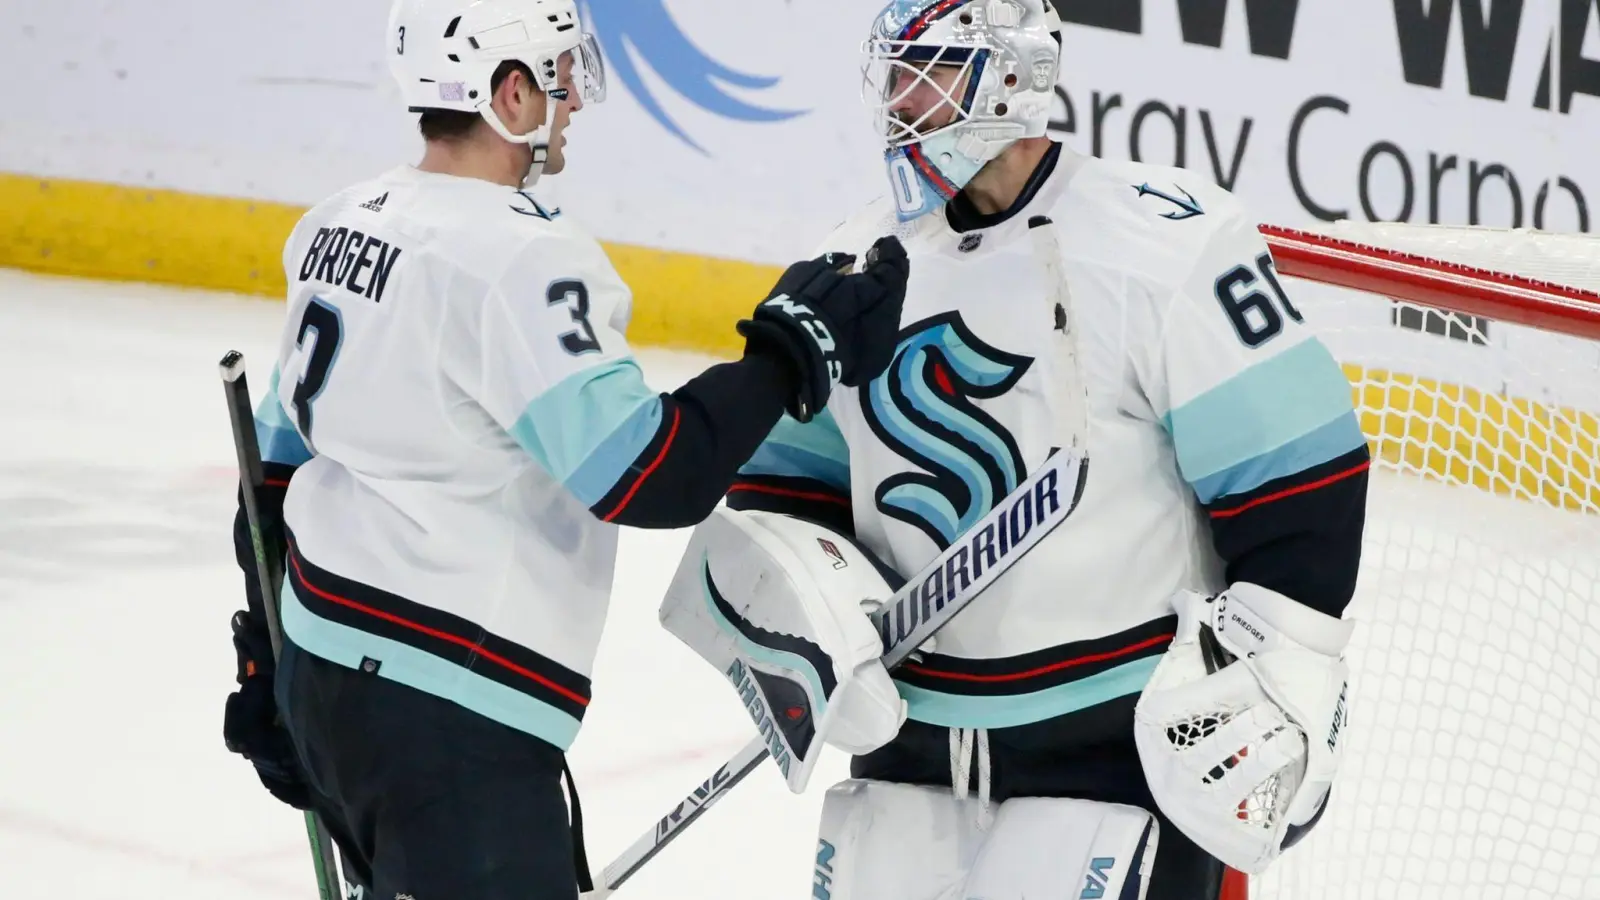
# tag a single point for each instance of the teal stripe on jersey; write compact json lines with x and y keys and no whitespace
{"x":814,"y":450}
{"x":968,"y":711}
{"x":1331,"y":441}
{"x":407,"y":665}
{"x":1264,"y":408}
{"x":275,"y":433}
{"x":751,"y":650}
{"x":588,"y":430}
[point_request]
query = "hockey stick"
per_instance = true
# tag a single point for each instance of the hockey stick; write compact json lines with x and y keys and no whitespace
{"x":269,"y":573}
{"x":927,"y":602}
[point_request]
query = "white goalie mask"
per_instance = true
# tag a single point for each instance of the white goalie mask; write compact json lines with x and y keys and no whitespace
{"x":443,"y":55}
{"x":953,"y":83}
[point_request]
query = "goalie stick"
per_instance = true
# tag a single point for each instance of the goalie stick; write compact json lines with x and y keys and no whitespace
{"x":269,"y":573}
{"x":926,"y":604}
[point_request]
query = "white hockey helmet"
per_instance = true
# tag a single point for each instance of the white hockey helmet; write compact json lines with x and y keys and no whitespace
{"x":443,"y":55}
{"x":1008,"y":56}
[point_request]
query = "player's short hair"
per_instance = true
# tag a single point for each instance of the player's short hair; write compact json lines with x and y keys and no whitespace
{"x":455,"y":125}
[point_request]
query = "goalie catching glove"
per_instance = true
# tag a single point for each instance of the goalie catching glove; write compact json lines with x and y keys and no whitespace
{"x":779,"y":606}
{"x":1238,"y":730}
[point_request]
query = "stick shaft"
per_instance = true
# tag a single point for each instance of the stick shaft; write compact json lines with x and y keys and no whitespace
{"x":265,"y":540}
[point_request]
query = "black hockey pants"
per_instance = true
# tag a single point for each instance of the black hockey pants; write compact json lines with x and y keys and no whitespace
{"x":425,"y":798}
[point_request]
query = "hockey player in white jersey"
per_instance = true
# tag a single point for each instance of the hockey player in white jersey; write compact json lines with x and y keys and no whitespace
{"x":457,"y":428}
{"x":1157,"y":689}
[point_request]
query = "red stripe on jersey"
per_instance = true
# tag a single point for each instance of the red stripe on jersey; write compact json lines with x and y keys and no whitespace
{"x":435,"y":633}
{"x":1043,"y":670}
{"x":656,"y":463}
{"x":790,"y":492}
{"x":1290,"y":492}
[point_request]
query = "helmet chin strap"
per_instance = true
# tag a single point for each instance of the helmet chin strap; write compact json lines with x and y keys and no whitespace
{"x":538,"y":138}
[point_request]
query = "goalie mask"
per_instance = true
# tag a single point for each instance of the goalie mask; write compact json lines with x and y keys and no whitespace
{"x":952,"y":84}
{"x":443,"y":55}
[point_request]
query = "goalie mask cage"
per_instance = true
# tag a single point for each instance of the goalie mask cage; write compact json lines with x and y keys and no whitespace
{"x":1471,"y":766}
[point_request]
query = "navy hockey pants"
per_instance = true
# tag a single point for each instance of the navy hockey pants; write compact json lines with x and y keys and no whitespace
{"x":424,"y":798}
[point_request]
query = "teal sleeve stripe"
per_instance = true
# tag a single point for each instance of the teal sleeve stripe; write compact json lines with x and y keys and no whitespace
{"x":614,"y":457}
{"x":415,"y":668}
{"x":275,"y":433}
{"x":1331,"y":441}
{"x":281,"y":445}
{"x":587,"y":430}
{"x":966,"y":711}
{"x":1259,"y":410}
{"x":814,"y":450}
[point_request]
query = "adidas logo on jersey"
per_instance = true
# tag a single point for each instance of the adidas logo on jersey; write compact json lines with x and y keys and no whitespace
{"x":376,"y":204}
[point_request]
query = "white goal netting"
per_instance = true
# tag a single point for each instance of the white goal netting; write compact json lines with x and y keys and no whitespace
{"x":1472,"y":763}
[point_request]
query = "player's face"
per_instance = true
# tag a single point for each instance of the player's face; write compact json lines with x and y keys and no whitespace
{"x":920,"y":96}
{"x":557,"y":159}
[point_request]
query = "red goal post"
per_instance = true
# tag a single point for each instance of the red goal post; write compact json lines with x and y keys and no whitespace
{"x":1438,"y":283}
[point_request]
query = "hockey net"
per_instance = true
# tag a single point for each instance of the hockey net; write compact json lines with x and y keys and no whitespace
{"x":1472,"y":756}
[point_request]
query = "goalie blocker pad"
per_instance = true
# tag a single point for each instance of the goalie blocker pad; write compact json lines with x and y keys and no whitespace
{"x":885,"y":841}
{"x":778,"y":605}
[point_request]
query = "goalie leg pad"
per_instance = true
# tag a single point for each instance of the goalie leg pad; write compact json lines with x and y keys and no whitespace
{"x":883,"y":841}
{"x":777,"y":604}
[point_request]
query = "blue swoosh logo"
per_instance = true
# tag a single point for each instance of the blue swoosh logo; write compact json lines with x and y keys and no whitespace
{"x":634,"y":30}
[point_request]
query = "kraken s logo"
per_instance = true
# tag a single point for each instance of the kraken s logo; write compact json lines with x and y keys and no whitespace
{"x":643,"y":31}
{"x":923,"y":409}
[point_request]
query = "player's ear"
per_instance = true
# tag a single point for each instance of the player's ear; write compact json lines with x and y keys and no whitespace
{"x":519,"y":101}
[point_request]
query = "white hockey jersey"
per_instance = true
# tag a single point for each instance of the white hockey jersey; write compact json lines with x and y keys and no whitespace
{"x":1209,"y":401}
{"x":455,"y":388}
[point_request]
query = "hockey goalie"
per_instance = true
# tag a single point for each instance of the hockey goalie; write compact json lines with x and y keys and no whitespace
{"x":1156,"y":691}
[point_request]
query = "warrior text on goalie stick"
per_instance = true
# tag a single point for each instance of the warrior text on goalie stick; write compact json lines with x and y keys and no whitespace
{"x":916,"y":612}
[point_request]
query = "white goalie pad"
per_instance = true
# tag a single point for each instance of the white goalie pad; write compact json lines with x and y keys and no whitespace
{"x":777,"y":604}
{"x":883,"y":841}
{"x":1242,"y":758}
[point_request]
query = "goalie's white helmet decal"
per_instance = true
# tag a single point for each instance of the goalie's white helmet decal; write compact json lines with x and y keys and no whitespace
{"x":998,"y":61}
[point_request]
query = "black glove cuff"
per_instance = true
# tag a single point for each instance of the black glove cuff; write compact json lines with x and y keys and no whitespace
{"x":781,"y":335}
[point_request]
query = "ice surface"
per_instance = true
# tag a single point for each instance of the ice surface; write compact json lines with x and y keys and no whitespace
{"x":116,"y":584}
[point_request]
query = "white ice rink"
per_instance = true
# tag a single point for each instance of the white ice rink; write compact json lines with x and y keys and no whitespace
{"x":117,"y":580}
{"x":1473,"y":729}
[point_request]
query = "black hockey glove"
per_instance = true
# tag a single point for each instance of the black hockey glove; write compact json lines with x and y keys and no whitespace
{"x":250,"y":725}
{"x":835,"y":328}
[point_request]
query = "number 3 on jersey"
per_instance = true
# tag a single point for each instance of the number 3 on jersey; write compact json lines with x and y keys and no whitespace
{"x":576,"y":295}
{"x":1254,"y":317}
{"x":322,"y":328}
